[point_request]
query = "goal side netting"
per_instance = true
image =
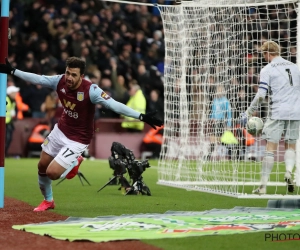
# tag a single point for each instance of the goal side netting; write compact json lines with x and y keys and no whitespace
{"x":212,"y":65}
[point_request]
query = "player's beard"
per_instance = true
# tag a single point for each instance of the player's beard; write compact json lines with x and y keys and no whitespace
{"x":73,"y":85}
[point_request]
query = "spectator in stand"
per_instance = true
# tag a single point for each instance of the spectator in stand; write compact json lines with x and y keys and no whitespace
{"x":156,"y":103}
{"x":124,"y":64}
{"x":132,"y":15}
{"x":47,"y":60}
{"x":77,"y":39}
{"x":155,"y":23}
{"x":61,"y":59}
{"x":76,"y":26}
{"x":59,"y":32}
{"x":220,"y":117}
{"x":157,"y":38}
{"x":86,"y":56}
{"x":67,"y":13}
{"x":143,"y":79}
{"x":144,"y":13}
{"x":126,"y":31}
{"x":73,"y":6}
{"x":85,"y":18}
{"x":14,"y":48}
{"x":117,"y":42}
{"x":30,"y":64}
{"x":37,"y":96}
{"x":32,"y":42}
{"x":136,"y":101}
{"x":151,"y":58}
{"x":139,"y":44}
{"x":102,"y":59}
{"x":118,"y":83}
{"x":59,"y":47}
{"x":59,"y":27}
{"x":156,"y":79}
{"x":94,"y":24}
{"x":143,"y":25}
{"x":117,"y":11}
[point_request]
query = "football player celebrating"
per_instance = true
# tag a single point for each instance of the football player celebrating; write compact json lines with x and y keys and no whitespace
{"x":281,"y":79}
{"x":62,"y":149}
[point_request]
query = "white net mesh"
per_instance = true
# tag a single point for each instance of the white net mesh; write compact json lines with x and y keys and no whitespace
{"x":211,"y":76}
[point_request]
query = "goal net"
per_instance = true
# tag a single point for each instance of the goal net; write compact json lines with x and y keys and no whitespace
{"x":211,"y":75}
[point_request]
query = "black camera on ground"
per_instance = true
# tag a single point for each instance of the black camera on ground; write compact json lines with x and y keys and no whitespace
{"x":117,"y":165}
{"x":136,"y":169}
{"x":121,"y":161}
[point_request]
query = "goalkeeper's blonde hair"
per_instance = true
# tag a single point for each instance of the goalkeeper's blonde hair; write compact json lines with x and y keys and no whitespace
{"x":271,"y":47}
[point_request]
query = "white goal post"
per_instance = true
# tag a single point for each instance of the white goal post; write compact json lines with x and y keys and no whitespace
{"x":208,"y":44}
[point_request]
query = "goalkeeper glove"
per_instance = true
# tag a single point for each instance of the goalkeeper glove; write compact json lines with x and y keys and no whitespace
{"x":7,"y":68}
{"x":244,"y":119}
{"x":151,"y":119}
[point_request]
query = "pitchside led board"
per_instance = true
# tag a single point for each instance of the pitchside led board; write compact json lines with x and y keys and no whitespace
{"x":3,"y":82}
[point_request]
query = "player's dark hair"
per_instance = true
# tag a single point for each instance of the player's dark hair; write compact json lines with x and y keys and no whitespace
{"x":75,"y":62}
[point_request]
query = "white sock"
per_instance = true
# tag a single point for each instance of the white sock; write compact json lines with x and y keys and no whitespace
{"x":46,"y":187}
{"x":267,"y":165}
{"x":289,"y":159}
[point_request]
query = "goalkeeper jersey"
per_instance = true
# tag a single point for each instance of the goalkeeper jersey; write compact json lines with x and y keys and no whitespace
{"x":281,"y":78}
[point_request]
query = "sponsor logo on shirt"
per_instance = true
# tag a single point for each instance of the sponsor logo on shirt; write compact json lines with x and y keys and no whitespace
{"x":69,"y":105}
{"x":63,"y":90}
{"x":80,"y":96}
{"x":104,"y":95}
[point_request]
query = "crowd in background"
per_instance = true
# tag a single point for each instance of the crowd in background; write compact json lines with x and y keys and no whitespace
{"x":124,"y":49}
{"x":122,"y":45}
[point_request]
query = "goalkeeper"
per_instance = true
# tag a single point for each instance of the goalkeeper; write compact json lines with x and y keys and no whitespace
{"x":281,"y":79}
{"x":62,"y":149}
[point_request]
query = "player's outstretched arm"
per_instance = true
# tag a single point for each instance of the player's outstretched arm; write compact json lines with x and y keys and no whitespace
{"x":47,"y":81}
{"x":97,"y":95}
{"x":122,"y":109}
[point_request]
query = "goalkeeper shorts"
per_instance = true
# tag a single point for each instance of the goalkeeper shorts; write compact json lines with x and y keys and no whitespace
{"x":274,"y":129}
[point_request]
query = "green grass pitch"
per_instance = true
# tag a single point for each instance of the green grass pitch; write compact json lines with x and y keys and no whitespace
{"x":73,"y":199}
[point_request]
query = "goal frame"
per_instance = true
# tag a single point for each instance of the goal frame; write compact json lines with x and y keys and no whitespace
{"x":196,"y":185}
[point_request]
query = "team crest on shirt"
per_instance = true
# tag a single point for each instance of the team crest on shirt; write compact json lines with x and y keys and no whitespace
{"x":46,"y":141}
{"x":104,"y":95}
{"x":80,"y":96}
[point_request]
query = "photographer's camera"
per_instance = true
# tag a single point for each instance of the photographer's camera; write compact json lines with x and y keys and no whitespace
{"x":121,"y":161}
